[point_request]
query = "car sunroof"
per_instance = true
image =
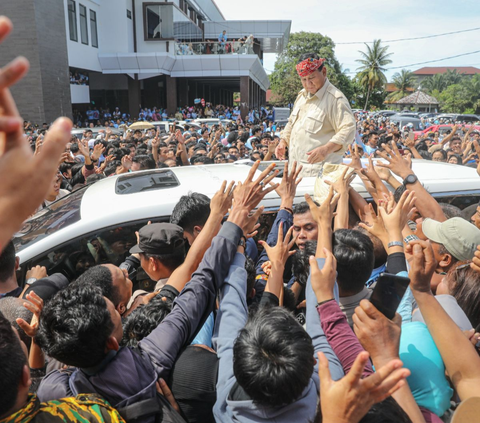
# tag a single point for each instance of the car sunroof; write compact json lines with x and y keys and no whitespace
{"x":146,"y":181}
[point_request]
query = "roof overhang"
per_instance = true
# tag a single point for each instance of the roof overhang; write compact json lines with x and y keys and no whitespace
{"x":273,"y":35}
{"x":147,"y":65}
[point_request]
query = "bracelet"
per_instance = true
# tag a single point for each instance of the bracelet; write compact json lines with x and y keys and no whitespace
{"x":288,"y":209}
{"x":324,"y":302}
{"x":395,"y":244}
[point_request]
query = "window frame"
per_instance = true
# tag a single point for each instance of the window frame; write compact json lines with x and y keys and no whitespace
{"x":94,"y":25}
{"x":74,"y":20}
{"x":80,"y":6}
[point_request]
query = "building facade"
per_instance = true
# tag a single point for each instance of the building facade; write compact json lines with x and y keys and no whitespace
{"x":136,"y":54}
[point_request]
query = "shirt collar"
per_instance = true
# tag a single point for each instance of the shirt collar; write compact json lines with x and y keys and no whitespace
{"x":355,"y":299}
{"x":320,"y":93}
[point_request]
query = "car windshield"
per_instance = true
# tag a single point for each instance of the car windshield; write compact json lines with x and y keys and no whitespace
{"x":58,"y":215}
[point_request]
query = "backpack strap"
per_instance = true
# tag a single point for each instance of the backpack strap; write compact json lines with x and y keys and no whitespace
{"x":145,"y":408}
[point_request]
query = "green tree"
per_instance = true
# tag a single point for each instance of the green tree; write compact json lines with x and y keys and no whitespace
{"x":434,"y":83}
{"x":453,"y":99}
{"x":405,"y":82}
{"x":371,"y":72}
{"x":284,"y":80}
{"x":471,"y":89}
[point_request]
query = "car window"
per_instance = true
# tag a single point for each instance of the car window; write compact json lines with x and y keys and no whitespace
{"x":56,"y":216}
{"x":107,"y":245}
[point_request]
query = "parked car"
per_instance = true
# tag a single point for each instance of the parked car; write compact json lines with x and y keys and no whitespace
{"x":78,"y":132}
{"x":213,"y":121}
{"x":455,"y":117}
{"x":402,"y":121}
{"x":444,"y":129}
{"x":97,"y":223}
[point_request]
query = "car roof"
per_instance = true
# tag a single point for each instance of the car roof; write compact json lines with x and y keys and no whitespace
{"x":104,"y":206}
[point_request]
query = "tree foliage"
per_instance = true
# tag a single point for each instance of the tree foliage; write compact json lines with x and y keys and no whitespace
{"x":285,"y":82}
{"x":457,"y":93}
{"x":405,"y":82}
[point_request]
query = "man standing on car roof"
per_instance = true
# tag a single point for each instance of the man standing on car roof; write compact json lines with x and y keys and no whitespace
{"x":321,"y":125}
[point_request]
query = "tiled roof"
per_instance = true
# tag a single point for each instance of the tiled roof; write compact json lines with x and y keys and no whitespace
{"x":418,"y":97}
{"x":433,"y":70}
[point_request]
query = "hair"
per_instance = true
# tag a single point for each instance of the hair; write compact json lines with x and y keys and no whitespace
{"x":74,"y":148}
{"x":378,"y":249}
{"x":273,"y":357}
{"x":7,"y":262}
{"x":145,"y":162}
{"x":75,"y":325}
{"x":464,"y":285}
{"x":91,"y":179}
{"x":101,"y":276}
{"x":458,"y":157}
{"x":399,"y":192}
{"x":202,"y":159}
{"x":13,"y":309}
{"x":14,"y":360}
{"x":302,"y":208}
{"x":301,"y":264}
{"x":387,"y":411}
{"x":190,"y":211}
{"x":111,"y":168}
{"x":353,"y":251}
{"x":64,"y":167}
{"x":450,"y":210}
{"x":442,"y":152}
{"x":144,"y":319}
{"x":170,"y":261}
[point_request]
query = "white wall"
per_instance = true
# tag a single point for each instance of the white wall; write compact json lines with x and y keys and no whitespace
{"x":81,"y":55}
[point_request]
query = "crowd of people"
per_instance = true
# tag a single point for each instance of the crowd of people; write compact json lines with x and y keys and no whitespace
{"x":78,"y":78}
{"x":237,"y":328}
{"x":223,"y":45}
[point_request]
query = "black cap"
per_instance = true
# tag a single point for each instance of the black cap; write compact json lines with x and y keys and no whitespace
{"x":159,"y":238}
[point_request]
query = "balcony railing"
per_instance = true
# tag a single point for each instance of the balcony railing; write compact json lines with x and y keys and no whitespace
{"x":213,"y":47}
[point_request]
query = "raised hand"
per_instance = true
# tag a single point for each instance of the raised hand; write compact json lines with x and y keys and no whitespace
{"x":279,"y":254}
{"x":377,"y":334}
{"x":323,"y":280}
{"x":280,"y":150}
{"x":324,"y":212}
{"x":342,"y":184}
{"x":396,"y":218}
{"x":349,"y":399}
{"x":35,"y":305}
{"x":26,"y":179}
{"x":288,"y":187}
{"x":356,"y":162}
{"x":98,"y":150}
{"x":422,"y":267}
{"x":248,"y":195}
{"x":396,"y":163}
{"x":222,"y":200}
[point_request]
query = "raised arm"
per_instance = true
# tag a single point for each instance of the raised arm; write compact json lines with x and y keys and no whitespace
{"x":458,"y":354}
{"x":219,"y":206}
{"x":341,"y":187}
{"x":426,"y":204}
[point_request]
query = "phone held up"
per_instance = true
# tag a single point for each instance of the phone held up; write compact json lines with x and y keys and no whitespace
{"x":388,"y":293}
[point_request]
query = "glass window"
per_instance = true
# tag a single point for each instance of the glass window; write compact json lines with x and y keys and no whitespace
{"x":159,"y":21}
{"x":83,"y":24}
{"x":72,"y":20}
{"x":93,"y":28}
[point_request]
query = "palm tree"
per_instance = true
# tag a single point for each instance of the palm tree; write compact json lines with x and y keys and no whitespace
{"x":404,"y":82}
{"x":452,"y":77}
{"x":435,"y":82}
{"x":371,"y":72}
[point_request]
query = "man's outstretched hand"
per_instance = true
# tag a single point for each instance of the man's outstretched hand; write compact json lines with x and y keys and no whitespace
{"x":26,"y":178}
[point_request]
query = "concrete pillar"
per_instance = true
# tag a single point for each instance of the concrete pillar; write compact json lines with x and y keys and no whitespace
{"x":40,"y":35}
{"x":171,"y":85}
{"x":244,"y":95}
{"x":134,"y":96}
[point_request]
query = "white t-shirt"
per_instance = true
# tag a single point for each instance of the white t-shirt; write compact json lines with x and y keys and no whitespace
{"x":46,"y":203}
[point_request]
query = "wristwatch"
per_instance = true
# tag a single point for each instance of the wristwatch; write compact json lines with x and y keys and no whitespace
{"x":242,"y":242}
{"x":31,"y":281}
{"x":410,"y":179}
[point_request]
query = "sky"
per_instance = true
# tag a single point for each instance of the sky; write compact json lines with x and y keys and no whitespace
{"x":365,"y":20}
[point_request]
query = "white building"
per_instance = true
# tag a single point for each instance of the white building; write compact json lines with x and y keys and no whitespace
{"x":166,"y":54}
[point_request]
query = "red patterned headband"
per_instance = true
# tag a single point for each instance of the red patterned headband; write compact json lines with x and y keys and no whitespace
{"x":308,"y":66}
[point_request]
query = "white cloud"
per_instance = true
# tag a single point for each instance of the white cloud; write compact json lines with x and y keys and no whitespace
{"x":365,"y":20}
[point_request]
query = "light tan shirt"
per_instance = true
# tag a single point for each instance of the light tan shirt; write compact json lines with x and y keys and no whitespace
{"x":316,"y":120}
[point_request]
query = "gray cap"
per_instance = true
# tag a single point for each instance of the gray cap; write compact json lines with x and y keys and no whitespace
{"x":458,"y":236}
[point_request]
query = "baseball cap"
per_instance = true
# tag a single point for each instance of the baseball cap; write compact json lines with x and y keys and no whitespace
{"x":458,"y":236}
{"x":159,"y":238}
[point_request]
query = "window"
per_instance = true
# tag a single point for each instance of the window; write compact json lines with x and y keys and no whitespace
{"x":159,"y":22}
{"x":93,"y":28}
{"x":129,"y":14}
{"x":83,"y":24}
{"x":72,"y":20}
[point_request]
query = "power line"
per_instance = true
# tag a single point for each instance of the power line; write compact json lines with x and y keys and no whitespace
{"x":413,"y":38}
{"x":429,"y":61}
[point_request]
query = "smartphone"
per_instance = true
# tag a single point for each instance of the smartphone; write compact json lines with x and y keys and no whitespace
{"x":388,"y":293}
